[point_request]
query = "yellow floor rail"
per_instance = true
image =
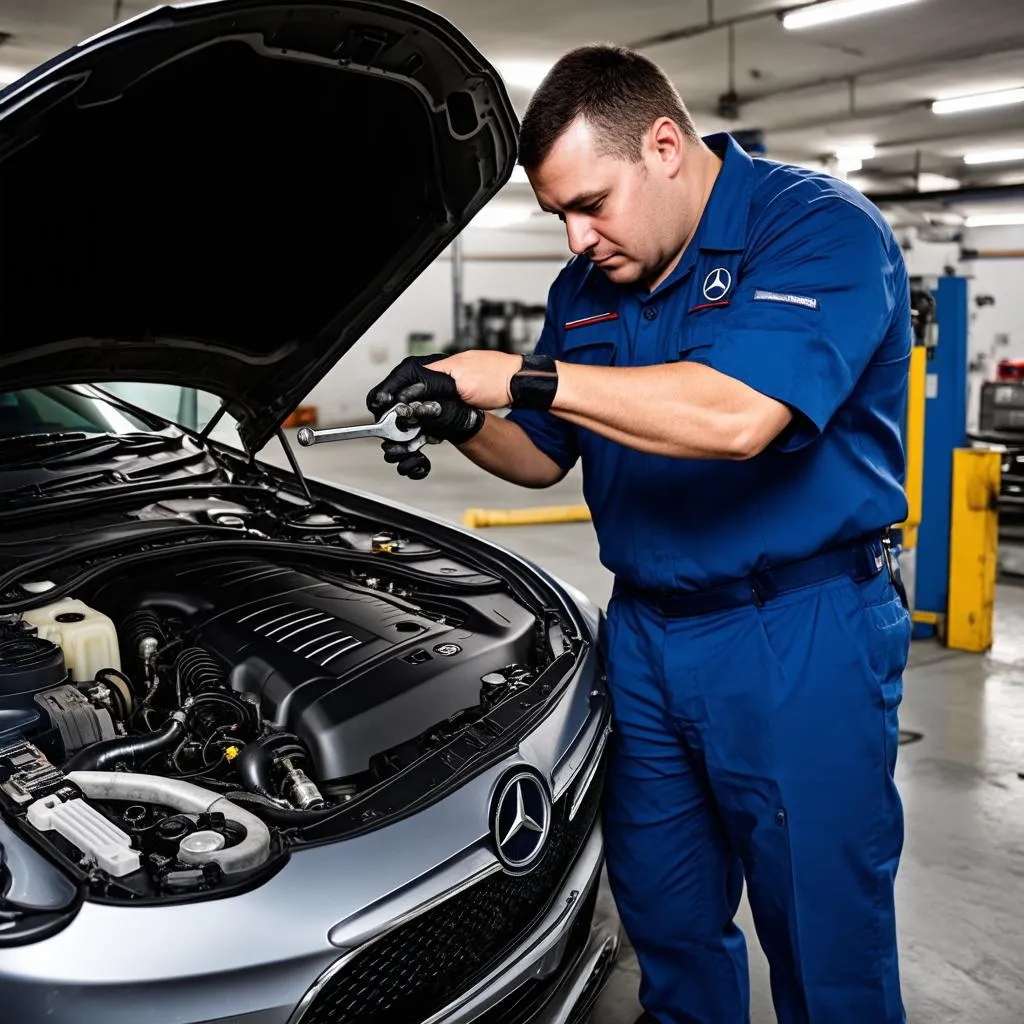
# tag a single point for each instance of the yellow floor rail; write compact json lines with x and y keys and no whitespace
{"x":537,"y":516}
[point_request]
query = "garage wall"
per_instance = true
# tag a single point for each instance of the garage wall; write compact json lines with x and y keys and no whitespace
{"x":996,"y":330}
{"x":1000,"y":325}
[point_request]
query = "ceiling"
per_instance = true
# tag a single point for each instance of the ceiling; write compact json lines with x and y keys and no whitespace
{"x":811,"y":92}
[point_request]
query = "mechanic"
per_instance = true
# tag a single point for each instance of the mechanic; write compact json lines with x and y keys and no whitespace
{"x":727,"y":354}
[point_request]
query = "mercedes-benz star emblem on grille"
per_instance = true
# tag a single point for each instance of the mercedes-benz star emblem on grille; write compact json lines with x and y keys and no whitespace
{"x":717,"y":284}
{"x":520,"y":822}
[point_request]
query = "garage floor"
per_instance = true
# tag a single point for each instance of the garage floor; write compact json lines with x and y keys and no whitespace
{"x":961,"y":883}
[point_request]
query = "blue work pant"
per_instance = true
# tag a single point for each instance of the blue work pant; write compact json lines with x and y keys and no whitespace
{"x":759,"y":743}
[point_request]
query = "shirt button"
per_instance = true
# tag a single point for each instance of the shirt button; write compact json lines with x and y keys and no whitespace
{"x":651,"y":313}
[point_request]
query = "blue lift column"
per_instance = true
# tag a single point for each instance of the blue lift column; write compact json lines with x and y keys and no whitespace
{"x":945,"y":430}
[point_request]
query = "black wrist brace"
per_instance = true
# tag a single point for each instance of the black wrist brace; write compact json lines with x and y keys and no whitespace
{"x":534,"y":386}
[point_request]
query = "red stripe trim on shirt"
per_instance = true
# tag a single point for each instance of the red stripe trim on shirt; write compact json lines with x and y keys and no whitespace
{"x":709,"y":305}
{"x":586,"y":321}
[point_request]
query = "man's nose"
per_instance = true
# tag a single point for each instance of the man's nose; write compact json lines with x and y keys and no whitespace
{"x":581,"y":234}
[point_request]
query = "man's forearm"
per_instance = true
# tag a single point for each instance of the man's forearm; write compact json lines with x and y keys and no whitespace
{"x":504,"y":449}
{"x":683,"y":410}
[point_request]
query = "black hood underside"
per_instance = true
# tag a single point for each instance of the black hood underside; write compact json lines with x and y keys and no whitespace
{"x":226,"y":196}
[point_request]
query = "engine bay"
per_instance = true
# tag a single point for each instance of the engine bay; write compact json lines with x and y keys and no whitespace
{"x":192,"y":686}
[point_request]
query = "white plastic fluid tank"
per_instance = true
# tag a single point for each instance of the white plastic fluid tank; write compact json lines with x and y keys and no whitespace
{"x":87,"y":637}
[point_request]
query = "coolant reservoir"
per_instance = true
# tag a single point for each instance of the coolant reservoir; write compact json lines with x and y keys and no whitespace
{"x":87,"y":637}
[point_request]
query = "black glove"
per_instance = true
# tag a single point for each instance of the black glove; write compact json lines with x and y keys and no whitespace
{"x":413,"y":464}
{"x":409,"y":371}
{"x":433,"y":399}
{"x":433,"y":403}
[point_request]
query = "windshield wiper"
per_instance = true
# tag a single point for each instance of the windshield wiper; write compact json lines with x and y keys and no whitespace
{"x":46,"y":450}
{"x":71,"y":482}
{"x":32,"y":442}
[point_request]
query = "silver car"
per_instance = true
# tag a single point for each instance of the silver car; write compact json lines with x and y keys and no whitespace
{"x":270,"y":751}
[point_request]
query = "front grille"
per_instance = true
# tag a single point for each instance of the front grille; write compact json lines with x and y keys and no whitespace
{"x":528,"y":1000}
{"x":418,"y":968}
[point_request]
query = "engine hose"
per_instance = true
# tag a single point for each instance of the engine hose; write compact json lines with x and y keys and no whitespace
{"x":253,"y":766}
{"x":138,"y":631}
{"x":107,"y":753}
{"x":276,"y":815}
{"x":198,"y":672}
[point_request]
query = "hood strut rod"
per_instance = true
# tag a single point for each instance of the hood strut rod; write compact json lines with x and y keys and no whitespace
{"x":293,"y":462}
{"x":216,"y":418}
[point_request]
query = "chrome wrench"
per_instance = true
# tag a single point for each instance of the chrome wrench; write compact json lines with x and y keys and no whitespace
{"x":386,"y":428}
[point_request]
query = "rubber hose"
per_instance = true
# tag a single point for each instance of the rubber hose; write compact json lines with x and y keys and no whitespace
{"x":253,"y":765}
{"x":106,"y":753}
{"x":278,"y":815}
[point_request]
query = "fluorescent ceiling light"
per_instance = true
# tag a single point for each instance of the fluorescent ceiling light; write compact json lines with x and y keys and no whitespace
{"x":836,"y":10}
{"x":928,"y":182}
{"x":994,"y":220}
{"x":524,"y":74}
{"x":851,"y":158}
{"x":501,"y":213}
{"x":993,"y":156}
{"x":978,"y":101}
{"x":862,"y":151}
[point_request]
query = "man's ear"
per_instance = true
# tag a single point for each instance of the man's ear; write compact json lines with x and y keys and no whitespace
{"x":666,"y":145}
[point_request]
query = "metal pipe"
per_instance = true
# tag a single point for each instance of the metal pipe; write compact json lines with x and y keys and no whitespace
{"x":184,"y":797}
{"x":458,"y":316}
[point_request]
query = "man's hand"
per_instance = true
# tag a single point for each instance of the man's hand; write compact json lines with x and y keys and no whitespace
{"x":482,"y":376}
{"x":432,"y":398}
{"x":432,"y":403}
{"x":411,"y":370}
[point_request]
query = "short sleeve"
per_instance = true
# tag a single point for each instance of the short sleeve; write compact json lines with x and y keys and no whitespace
{"x":553,"y":436}
{"x":815,"y":302}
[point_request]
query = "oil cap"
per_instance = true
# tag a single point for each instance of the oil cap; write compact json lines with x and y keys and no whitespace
{"x":200,"y":843}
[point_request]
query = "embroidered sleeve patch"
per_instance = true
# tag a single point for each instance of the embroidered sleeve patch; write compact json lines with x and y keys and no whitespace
{"x":793,"y":300}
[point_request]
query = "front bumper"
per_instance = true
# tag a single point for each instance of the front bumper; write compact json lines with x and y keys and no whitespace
{"x":552,"y":977}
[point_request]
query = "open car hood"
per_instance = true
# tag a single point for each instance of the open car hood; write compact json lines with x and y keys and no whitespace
{"x":225,"y":195}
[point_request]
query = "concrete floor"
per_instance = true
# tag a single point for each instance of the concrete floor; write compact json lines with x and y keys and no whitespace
{"x":960,"y":889}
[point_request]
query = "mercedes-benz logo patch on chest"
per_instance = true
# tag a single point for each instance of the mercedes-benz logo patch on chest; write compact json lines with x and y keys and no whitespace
{"x":520,"y":822}
{"x":717,"y":284}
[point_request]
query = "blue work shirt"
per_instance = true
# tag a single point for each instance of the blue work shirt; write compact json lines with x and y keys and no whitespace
{"x":794,"y":285}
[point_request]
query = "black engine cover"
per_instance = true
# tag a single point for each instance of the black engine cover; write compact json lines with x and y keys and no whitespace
{"x":351,"y":670}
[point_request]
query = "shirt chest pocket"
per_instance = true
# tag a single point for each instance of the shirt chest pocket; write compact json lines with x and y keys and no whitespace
{"x":592,"y":345}
{"x":695,"y":340}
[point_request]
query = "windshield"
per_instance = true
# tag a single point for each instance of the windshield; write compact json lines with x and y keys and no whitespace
{"x":187,"y":407}
{"x":54,"y":410}
{"x":62,"y":439}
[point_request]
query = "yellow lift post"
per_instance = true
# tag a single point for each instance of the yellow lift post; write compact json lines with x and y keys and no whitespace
{"x":952,"y":490}
{"x":973,"y":549}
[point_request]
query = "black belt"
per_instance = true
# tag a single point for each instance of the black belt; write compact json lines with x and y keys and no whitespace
{"x":860,"y":561}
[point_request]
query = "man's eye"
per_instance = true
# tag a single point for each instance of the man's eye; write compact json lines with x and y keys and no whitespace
{"x":594,"y":207}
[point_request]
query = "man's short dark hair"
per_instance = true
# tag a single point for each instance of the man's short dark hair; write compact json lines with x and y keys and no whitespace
{"x":618,"y":92}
